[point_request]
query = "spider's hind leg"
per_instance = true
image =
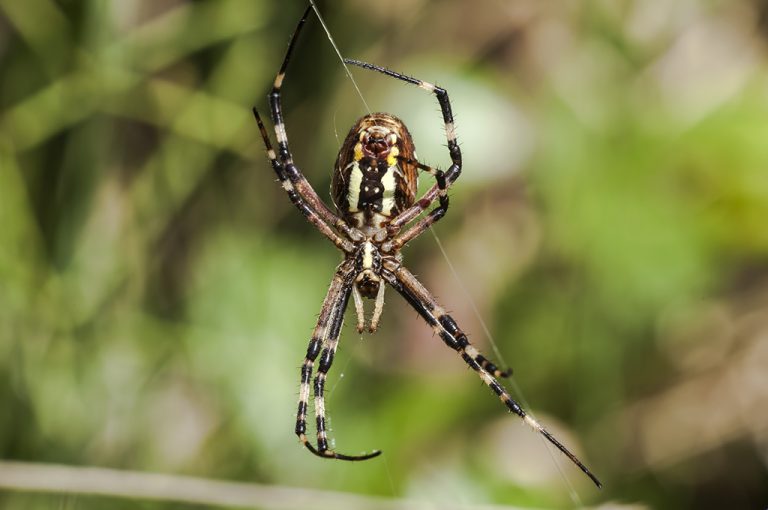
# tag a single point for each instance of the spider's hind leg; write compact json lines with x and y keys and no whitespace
{"x":325,"y":339}
{"x":444,"y":325}
{"x":489,"y":367}
{"x":299,"y":190}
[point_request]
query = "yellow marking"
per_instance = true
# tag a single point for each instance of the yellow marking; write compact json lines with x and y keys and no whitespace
{"x":353,"y":190}
{"x":287,"y":185}
{"x":279,"y":80}
{"x":487,"y":379}
{"x":471,"y":351}
{"x":392,"y":158}
{"x":271,"y":154}
{"x":367,"y":255}
{"x":358,"y":151}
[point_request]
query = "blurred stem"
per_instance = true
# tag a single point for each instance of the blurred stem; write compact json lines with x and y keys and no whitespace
{"x":30,"y":477}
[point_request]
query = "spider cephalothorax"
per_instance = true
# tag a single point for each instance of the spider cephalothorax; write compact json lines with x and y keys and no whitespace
{"x":374,"y":188}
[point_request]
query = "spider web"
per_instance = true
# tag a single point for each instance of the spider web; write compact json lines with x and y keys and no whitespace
{"x":475,"y":310}
{"x":336,"y":48}
{"x":512,"y":381}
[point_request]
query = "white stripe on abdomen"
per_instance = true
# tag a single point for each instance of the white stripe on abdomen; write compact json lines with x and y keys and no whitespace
{"x":353,"y":190}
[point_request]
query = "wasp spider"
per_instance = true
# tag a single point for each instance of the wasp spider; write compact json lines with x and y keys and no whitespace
{"x":374,"y":189}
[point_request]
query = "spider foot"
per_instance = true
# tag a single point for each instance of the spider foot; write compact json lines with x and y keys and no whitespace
{"x":341,"y":456}
{"x":330,"y":454}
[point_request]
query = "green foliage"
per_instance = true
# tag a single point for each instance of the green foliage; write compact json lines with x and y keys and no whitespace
{"x":157,"y":289}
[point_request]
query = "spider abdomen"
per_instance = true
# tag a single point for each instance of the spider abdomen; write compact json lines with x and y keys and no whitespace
{"x":374,"y":178}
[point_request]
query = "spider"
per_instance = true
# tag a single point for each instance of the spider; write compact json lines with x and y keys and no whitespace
{"x":374,"y":189}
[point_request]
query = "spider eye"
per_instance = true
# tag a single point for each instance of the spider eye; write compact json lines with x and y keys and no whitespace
{"x":377,"y":146}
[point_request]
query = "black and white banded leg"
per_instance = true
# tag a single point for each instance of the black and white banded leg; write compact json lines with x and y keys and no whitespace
{"x":433,"y":217}
{"x":291,"y":176}
{"x":324,"y":341}
{"x":444,"y":325}
{"x":297,"y":198}
{"x":450,"y":175}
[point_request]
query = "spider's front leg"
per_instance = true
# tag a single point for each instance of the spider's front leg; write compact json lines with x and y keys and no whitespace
{"x":444,"y":325}
{"x":299,"y":190}
{"x":295,"y":194}
{"x":325,"y":339}
{"x":435,"y":215}
{"x":444,"y":179}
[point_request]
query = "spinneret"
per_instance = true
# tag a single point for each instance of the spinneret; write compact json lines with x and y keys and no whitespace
{"x":374,"y":189}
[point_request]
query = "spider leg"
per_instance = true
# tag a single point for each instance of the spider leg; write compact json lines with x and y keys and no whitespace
{"x":290,"y":170}
{"x":438,"y":174}
{"x":325,"y":337}
{"x":418,"y":228}
{"x":437,"y":190}
{"x":328,"y":311}
{"x":296,"y":197}
{"x":444,"y":325}
{"x":435,"y":215}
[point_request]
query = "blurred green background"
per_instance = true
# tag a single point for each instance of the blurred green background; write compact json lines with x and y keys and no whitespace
{"x":158,"y":289}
